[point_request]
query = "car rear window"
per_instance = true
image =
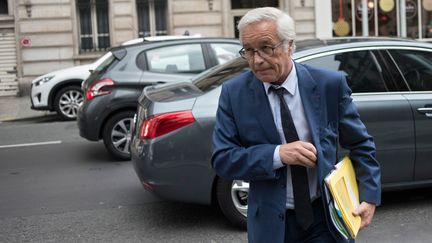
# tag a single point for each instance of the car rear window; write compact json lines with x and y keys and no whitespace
{"x":212,"y":78}
{"x":105,"y":64}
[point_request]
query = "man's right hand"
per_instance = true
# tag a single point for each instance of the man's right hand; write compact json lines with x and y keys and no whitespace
{"x":298,"y":153}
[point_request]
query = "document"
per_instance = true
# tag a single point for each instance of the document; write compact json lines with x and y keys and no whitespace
{"x":343,"y":188}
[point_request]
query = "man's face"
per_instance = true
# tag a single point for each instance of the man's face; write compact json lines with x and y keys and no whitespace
{"x":273,"y":68}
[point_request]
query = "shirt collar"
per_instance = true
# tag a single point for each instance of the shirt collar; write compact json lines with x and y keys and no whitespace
{"x":290,"y":83}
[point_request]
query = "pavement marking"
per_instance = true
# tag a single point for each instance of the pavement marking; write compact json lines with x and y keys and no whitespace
{"x":29,"y":144}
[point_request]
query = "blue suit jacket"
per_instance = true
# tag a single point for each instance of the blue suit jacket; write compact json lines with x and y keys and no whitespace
{"x":245,"y":138}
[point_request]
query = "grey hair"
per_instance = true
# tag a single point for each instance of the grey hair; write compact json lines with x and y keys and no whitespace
{"x":285,"y":24}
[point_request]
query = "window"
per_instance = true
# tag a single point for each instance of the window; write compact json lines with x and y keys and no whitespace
{"x":360,"y":67}
{"x":416,"y":67}
{"x":385,"y":18}
{"x":152,"y":16}
{"x":4,"y":7}
{"x":93,"y":25}
{"x":381,"y":17}
{"x":225,"y":52}
{"x":176,"y":59}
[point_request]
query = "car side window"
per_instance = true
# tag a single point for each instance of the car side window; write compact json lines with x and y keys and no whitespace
{"x":362,"y":69}
{"x":176,"y":59}
{"x":225,"y":52}
{"x":416,"y":67}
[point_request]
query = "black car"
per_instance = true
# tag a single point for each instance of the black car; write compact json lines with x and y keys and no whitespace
{"x":112,"y":90}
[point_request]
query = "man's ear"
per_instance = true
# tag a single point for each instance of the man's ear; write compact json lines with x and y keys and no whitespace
{"x":290,"y":47}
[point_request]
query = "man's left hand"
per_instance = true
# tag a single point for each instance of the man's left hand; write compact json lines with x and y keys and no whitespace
{"x":366,"y":211}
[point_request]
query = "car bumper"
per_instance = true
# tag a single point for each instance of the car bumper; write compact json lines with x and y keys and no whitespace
{"x":33,"y":107}
{"x":183,"y":175}
{"x":39,"y":97}
{"x":89,"y":128}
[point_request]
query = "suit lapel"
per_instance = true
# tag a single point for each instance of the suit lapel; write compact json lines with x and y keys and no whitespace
{"x":263,"y":112}
{"x":310,"y":97}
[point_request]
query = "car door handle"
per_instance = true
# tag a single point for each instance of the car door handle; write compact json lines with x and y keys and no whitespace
{"x":425,"y":110}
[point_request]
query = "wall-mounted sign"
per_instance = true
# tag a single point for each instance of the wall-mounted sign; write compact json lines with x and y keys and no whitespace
{"x":26,"y":42}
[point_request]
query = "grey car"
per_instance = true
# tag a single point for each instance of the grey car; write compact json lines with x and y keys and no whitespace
{"x":112,"y":90}
{"x":391,"y":80}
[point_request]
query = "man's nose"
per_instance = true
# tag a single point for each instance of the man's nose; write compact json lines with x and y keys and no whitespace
{"x":257,"y":58}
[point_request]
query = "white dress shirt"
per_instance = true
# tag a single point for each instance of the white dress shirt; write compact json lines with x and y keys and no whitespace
{"x":295,"y":105}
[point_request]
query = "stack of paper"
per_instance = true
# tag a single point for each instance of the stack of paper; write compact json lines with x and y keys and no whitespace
{"x":344,"y":198}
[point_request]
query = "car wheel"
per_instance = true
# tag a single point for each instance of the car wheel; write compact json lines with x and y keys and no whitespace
{"x":67,"y":101}
{"x":117,"y":134}
{"x":232,"y":198}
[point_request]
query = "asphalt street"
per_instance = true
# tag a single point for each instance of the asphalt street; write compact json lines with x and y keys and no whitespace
{"x":57,"y":187}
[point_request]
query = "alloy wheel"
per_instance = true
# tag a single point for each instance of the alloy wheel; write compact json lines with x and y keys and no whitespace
{"x":239,"y":195}
{"x":69,"y":103}
{"x":121,"y":135}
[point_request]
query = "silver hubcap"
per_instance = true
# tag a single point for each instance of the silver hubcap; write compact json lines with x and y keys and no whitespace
{"x":121,"y":135}
{"x":69,"y":103}
{"x":239,"y":195}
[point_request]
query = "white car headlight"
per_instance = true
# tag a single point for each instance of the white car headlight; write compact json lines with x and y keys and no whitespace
{"x":43,"y":80}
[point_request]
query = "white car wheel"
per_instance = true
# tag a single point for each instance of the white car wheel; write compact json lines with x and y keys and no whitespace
{"x":67,"y":102}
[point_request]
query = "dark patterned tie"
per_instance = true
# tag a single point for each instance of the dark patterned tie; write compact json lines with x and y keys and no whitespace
{"x":302,"y":203}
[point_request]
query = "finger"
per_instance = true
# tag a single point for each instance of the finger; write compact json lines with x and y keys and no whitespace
{"x":308,"y":159}
{"x":365,"y":213}
{"x":366,"y":220}
{"x":310,"y":147}
{"x":300,"y":153}
{"x":360,"y":213}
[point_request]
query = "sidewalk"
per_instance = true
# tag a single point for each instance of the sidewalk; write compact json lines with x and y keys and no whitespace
{"x":15,"y":108}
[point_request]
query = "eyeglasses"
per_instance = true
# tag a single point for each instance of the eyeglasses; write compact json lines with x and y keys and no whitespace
{"x":264,"y":52}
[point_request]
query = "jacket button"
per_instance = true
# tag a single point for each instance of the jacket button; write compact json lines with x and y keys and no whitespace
{"x":281,"y":216}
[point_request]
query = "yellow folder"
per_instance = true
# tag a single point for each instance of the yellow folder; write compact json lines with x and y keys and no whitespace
{"x":343,"y":188}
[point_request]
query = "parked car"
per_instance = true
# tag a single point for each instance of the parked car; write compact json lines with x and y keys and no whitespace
{"x":60,"y":91}
{"x":112,"y":91}
{"x":391,"y":80}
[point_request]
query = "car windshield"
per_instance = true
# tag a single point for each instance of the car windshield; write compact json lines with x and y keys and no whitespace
{"x":215,"y":76}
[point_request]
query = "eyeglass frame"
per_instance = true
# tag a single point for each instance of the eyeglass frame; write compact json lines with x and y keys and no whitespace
{"x":242,"y":51}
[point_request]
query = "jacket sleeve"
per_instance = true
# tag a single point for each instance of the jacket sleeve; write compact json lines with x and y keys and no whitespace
{"x":231,"y":159}
{"x":354,"y":137}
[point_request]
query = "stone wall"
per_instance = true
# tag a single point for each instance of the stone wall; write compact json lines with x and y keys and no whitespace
{"x":52,"y":28}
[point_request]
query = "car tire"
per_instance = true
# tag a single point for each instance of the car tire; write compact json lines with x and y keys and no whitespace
{"x":232,"y":199}
{"x":67,"y":102}
{"x":116,"y":134}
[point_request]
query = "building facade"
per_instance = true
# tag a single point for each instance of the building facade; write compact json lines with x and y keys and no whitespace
{"x":40,"y":36}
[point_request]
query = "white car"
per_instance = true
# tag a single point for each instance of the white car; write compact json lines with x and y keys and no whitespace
{"x":60,"y":90}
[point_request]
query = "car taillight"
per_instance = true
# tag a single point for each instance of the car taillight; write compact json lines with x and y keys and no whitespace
{"x":161,"y":124}
{"x":99,"y":88}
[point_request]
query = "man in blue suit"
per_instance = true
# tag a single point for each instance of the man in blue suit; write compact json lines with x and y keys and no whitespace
{"x":278,"y":127}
